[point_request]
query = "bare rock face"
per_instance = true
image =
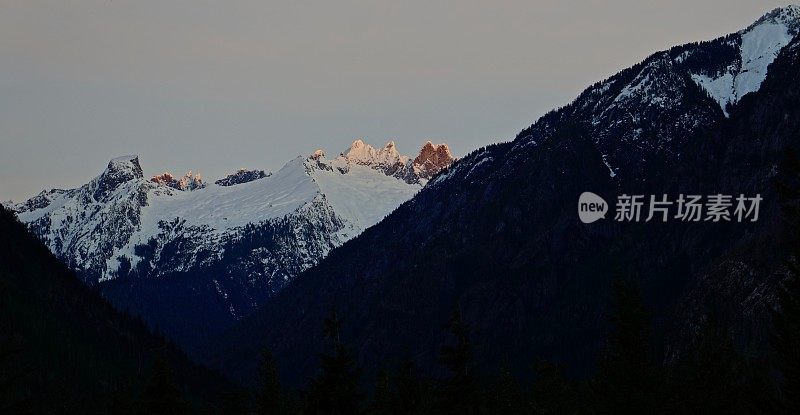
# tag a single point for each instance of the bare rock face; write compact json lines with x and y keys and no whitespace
{"x":119,"y":170}
{"x":432,"y":159}
{"x":166,"y":179}
{"x":40,"y":201}
{"x":242,"y":176}
{"x":189,"y":181}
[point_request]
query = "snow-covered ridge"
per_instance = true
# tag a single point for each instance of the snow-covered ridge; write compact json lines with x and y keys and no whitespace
{"x":759,"y":45}
{"x":121,"y":224}
{"x":647,"y":111}
{"x":226,"y":246}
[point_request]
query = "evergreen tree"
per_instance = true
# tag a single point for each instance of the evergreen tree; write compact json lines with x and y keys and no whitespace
{"x":382,"y":402}
{"x":627,"y":379}
{"x":552,"y":393}
{"x":786,"y":319}
{"x":15,"y":396}
{"x":233,"y":403}
{"x":269,"y":395}
{"x":760,"y":393}
{"x":711,"y":378}
{"x":507,"y":397}
{"x":120,"y":401}
{"x":10,"y":377}
{"x":6,"y":353}
{"x":459,"y":391}
{"x":408,"y":399}
{"x":786,"y":340}
{"x":161,"y":395}
{"x":335,"y":390}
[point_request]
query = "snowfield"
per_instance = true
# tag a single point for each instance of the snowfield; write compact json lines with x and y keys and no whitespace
{"x":107,"y":222}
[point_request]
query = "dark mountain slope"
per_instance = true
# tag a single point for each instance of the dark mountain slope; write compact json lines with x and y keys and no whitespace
{"x":498,"y":233}
{"x":63,"y":349}
{"x":746,"y":154}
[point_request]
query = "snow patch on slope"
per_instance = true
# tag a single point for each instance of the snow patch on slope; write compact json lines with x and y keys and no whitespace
{"x":361,"y":196}
{"x":721,"y":88}
{"x":760,"y":45}
{"x":611,"y":172}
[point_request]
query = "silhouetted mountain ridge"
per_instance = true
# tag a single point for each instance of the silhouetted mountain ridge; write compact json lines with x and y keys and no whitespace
{"x":64,"y":349}
{"x":497,"y":233}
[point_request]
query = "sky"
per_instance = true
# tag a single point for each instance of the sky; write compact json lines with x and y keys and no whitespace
{"x":213,"y":86}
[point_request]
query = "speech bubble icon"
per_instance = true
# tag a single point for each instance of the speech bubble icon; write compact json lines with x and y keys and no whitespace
{"x":591,"y":207}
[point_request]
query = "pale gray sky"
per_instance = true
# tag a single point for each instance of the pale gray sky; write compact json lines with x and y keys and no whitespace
{"x":217,"y":85}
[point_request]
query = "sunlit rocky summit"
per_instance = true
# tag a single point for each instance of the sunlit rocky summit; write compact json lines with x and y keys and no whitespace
{"x":189,"y":181}
{"x":431,"y":160}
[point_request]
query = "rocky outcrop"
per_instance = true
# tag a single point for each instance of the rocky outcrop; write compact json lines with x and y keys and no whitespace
{"x":432,"y":159}
{"x":241,"y":176}
{"x":189,"y":181}
{"x":119,"y":170}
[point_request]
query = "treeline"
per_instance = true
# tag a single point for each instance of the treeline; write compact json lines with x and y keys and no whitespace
{"x":712,"y":378}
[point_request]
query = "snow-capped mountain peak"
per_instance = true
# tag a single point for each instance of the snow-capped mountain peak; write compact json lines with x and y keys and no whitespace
{"x":367,"y":155}
{"x":119,"y":170}
{"x":125,"y":165}
{"x":651,"y":108}
{"x":243,"y":237}
{"x":431,"y":159}
{"x":758,"y":46}
{"x":788,"y":16}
